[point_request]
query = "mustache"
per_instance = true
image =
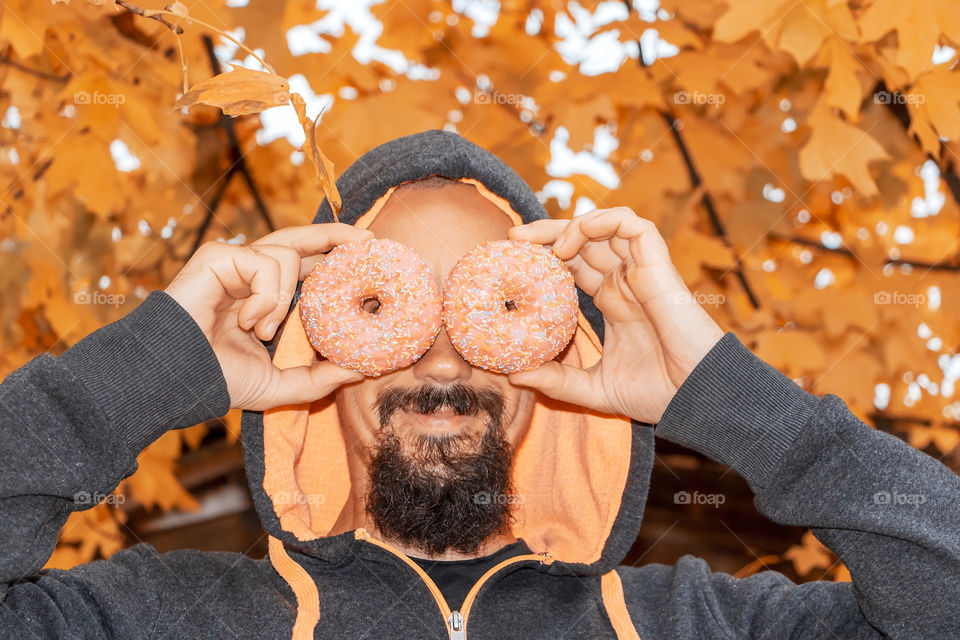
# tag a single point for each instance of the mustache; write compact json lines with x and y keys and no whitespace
{"x":463,"y":399}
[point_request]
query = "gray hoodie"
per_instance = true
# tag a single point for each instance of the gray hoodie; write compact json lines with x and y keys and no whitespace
{"x":73,"y":425}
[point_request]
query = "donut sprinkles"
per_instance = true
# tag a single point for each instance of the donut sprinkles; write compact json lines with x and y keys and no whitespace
{"x":371,"y":306}
{"x":510,"y":306}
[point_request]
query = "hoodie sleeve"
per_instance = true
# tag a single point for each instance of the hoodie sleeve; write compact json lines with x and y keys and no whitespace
{"x":890,"y":512}
{"x":71,"y":428}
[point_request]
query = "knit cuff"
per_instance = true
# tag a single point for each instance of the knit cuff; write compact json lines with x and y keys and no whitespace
{"x":738,"y":410}
{"x":151,"y":371}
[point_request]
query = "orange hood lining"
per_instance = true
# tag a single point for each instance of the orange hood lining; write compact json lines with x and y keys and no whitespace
{"x":570,"y":468}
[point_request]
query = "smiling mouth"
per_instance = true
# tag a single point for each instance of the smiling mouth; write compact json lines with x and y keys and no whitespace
{"x":444,"y":419}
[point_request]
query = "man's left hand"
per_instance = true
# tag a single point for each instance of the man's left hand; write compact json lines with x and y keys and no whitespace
{"x":655,"y":332}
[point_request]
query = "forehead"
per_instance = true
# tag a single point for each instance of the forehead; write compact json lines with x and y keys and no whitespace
{"x":440,"y":224}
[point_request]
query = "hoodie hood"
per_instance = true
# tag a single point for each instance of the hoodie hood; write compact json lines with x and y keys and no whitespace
{"x":583,"y":477}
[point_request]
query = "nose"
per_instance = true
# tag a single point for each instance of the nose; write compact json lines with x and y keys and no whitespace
{"x":442,"y":364}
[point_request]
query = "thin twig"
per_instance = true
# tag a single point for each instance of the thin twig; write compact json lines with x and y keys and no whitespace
{"x":695,"y":182}
{"x":210,"y":209}
{"x":34,"y":72}
{"x":237,"y":165}
{"x":844,"y":251}
{"x":123,"y":4}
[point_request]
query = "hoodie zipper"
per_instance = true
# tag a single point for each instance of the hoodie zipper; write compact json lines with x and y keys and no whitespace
{"x":456,"y":620}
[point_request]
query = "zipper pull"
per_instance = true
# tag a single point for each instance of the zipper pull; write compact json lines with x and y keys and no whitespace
{"x":457,"y":632}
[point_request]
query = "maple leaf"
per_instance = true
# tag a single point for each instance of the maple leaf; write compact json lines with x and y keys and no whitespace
{"x":934,"y":104}
{"x":918,"y":24}
{"x":794,"y":352}
{"x":810,"y":554}
{"x":699,"y":249}
{"x":842,"y":88}
{"x":798,"y":28}
{"x":239,"y":92}
{"x":836,"y":148}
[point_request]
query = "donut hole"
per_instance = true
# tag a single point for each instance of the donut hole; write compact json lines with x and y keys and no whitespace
{"x":510,"y":305}
{"x":370,"y":304}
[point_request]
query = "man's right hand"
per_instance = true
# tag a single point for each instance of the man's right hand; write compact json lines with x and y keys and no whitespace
{"x":238,"y":295}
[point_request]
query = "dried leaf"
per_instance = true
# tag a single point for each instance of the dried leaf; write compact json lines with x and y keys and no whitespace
{"x":239,"y":92}
{"x":836,"y":148}
{"x":326,"y":177}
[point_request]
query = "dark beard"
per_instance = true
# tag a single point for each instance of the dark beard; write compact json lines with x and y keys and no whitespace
{"x":447,"y":493}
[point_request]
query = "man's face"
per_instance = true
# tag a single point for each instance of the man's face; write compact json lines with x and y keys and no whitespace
{"x":438,"y":434}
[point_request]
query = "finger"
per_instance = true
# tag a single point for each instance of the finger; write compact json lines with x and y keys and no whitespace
{"x":262,"y":275}
{"x":620,"y":222}
{"x":599,"y":224}
{"x":643,"y":239}
{"x":618,"y":232}
{"x":314,"y":239}
{"x":560,"y":382}
{"x":220,"y":259}
{"x":654,"y":279}
{"x":620,"y":246}
{"x":289,"y":262}
{"x":543,"y":231}
{"x":600,"y":256}
{"x":571,"y":238}
{"x":585,"y":276}
{"x":650,"y":250}
{"x":297,"y":385}
{"x":595,"y":259}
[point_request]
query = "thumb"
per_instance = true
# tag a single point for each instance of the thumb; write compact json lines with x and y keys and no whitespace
{"x":560,"y":382}
{"x":297,"y":385}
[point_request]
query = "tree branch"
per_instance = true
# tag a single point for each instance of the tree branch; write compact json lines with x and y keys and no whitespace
{"x":140,"y":12}
{"x":210,"y":208}
{"x":695,"y":182}
{"x":236,"y":154}
{"x":902,"y":114}
{"x":7,"y":60}
{"x":919,"y":264}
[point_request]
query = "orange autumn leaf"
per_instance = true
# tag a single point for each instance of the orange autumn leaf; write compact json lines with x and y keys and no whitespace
{"x":695,"y":250}
{"x":842,"y":88}
{"x":810,"y":554}
{"x":836,"y":148}
{"x":326,"y":177}
{"x":934,"y":104}
{"x":798,"y":28}
{"x":239,"y":92}
{"x":918,"y":25}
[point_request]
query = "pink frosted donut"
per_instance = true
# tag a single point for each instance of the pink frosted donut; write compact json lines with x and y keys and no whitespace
{"x":509,"y":305}
{"x":339,"y":306}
